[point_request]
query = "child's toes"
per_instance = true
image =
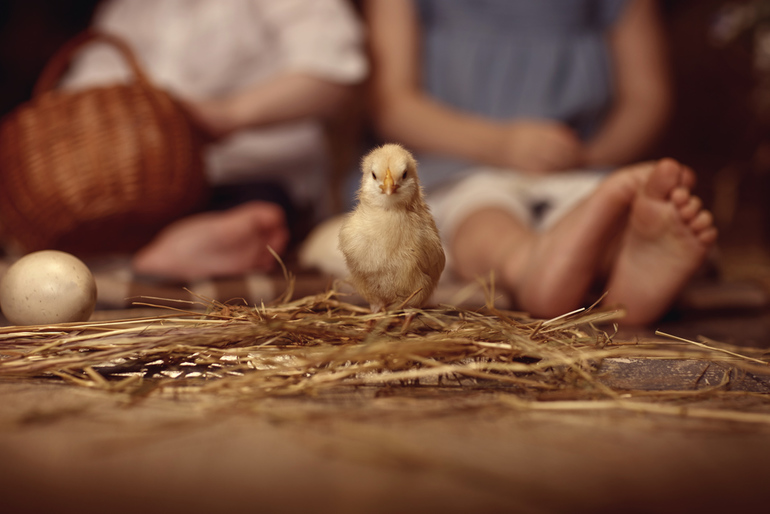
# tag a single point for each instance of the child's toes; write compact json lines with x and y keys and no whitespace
{"x":702,"y":221}
{"x":689,"y":210}
{"x":688,"y":177}
{"x":665,"y":178}
{"x":709,"y":236}
{"x":680,"y":196}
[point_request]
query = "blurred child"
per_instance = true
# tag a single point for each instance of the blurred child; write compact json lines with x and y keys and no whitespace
{"x":517,"y":111}
{"x":259,"y":76}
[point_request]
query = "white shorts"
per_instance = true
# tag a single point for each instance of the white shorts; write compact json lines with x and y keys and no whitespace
{"x":537,"y":200}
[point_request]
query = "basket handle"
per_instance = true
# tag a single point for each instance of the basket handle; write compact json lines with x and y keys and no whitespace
{"x":58,"y":64}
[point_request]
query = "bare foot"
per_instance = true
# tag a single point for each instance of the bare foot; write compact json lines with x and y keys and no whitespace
{"x":666,"y":241}
{"x":561,"y":264}
{"x":216,"y":243}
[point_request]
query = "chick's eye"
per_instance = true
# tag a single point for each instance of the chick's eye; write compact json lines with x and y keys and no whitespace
{"x":374,"y":176}
{"x":403,"y":177}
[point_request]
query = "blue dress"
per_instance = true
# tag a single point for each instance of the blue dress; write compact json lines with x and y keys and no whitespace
{"x":508,"y":59}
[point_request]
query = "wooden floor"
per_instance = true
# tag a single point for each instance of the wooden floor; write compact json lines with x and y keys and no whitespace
{"x":416,"y":449}
{"x":70,"y":449}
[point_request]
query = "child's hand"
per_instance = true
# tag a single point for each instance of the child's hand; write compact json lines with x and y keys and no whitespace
{"x":541,"y":146}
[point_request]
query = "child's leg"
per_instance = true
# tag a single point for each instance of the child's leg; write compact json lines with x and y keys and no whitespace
{"x":566,"y":259}
{"x":641,"y":226}
{"x":484,"y":222}
{"x":549,"y":273}
{"x":492,"y":239}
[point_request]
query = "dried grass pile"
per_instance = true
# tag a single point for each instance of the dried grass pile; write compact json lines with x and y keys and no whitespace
{"x":322,"y":343}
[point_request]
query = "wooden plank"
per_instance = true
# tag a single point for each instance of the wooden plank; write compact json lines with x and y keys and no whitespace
{"x":678,"y":375}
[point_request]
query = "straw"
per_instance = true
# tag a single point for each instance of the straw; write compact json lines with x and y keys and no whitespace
{"x":322,"y":343}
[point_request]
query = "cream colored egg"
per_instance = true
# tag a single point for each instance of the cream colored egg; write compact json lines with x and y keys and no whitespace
{"x":47,"y":287}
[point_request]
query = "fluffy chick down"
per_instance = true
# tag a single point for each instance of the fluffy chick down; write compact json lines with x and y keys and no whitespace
{"x":390,"y":241}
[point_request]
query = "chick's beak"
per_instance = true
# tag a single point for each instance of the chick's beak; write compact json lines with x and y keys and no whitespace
{"x":388,"y":185}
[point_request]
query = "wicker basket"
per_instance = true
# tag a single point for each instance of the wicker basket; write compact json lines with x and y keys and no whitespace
{"x":99,"y":170}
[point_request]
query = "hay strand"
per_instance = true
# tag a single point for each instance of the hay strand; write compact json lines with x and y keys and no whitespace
{"x":712,"y":348}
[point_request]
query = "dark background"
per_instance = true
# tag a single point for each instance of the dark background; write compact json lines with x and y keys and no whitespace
{"x":718,"y":126}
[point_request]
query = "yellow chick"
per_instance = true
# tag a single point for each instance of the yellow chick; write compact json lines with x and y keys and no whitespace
{"x":390,"y":241}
